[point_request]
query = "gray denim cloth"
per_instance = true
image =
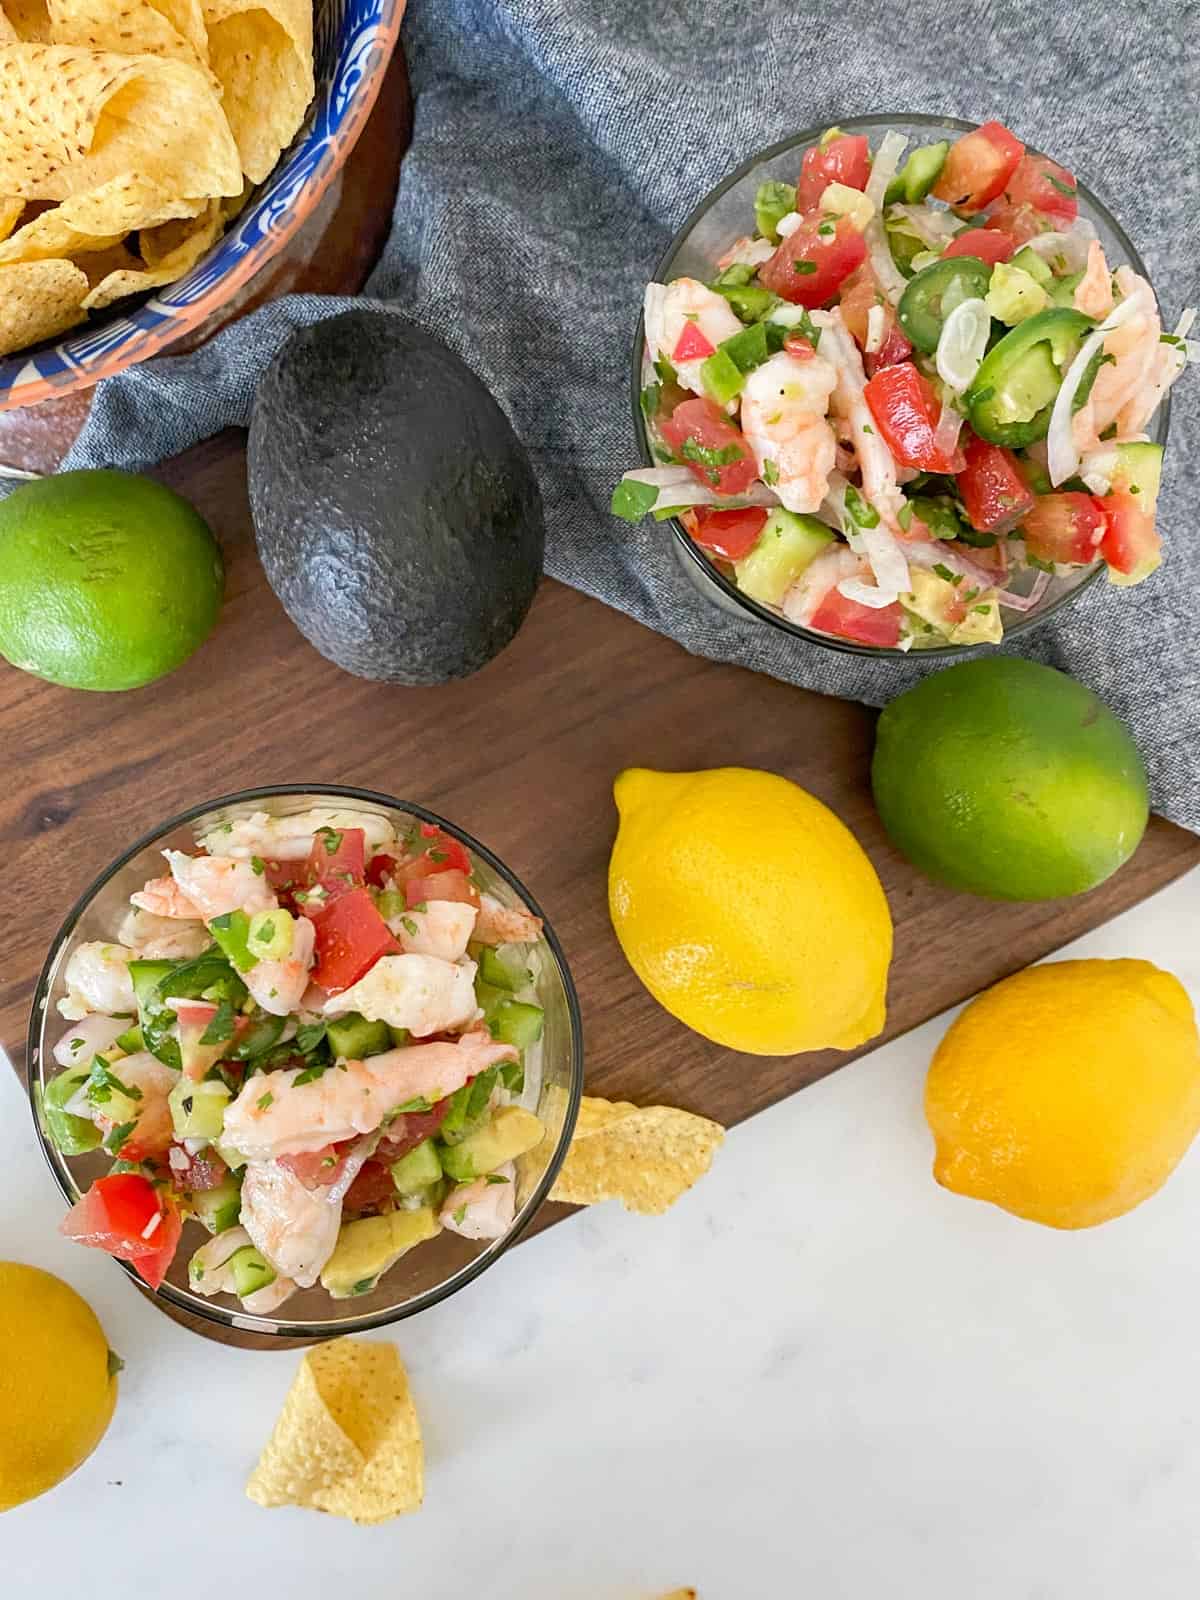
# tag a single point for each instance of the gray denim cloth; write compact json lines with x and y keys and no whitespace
{"x":558,"y":145}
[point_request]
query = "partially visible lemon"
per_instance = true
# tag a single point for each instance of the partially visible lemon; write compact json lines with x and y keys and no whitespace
{"x":748,"y":910}
{"x":58,"y":1382}
{"x":1068,"y":1093}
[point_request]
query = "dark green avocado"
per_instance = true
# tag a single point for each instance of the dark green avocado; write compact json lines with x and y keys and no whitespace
{"x":397,"y":514}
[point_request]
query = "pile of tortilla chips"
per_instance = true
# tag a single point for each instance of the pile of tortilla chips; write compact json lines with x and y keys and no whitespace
{"x":128,"y":132}
{"x":646,"y":1157}
{"x":348,"y":1440}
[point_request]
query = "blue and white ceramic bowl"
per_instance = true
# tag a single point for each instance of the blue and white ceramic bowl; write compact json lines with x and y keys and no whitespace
{"x":353,"y":43}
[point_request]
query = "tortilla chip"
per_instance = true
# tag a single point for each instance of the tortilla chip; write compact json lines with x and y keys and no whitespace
{"x":262,"y":55}
{"x":646,"y":1158}
{"x":133,"y":27}
{"x":27,"y":19}
{"x":680,"y":1594}
{"x":348,"y":1440}
{"x":72,"y":120}
{"x":39,"y":299}
{"x":96,"y":220}
{"x":10,"y":215}
{"x":169,"y":252}
{"x":99,"y":264}
{"x":7,"y":32}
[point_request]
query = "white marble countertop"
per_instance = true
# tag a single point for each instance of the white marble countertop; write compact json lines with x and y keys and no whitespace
{"x":819,"y":1376}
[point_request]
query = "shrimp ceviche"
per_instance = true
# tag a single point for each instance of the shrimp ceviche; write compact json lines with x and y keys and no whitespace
{"x":912,"y":395}
{"x":309,"y":1037}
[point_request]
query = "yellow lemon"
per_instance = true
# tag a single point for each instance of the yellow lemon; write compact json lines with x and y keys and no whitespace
{"x":1068,"y":1093}
{"x":58,"y":1382}
{"x":748,"y":910}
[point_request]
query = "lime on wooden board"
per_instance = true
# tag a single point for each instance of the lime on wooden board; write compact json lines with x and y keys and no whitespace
{"x":1009,"y":780}
{"x":107,"y":580}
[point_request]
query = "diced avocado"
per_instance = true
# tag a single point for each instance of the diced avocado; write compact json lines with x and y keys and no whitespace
{"x":250,"y":1271}
{"x":418,"y":1170}
{"x":962,"y":618}
{"x":1063,"y":290}
{"x":1139,"y":471}
{"x":368,"y":1246}
{"x":772,"y":201}
{"x":918,"y":174}
{"x":198,"y":1109}
{"x":516,"y":1022}
{"x":219,"y":1208}
{"x":509,"y":1133}
{"x":1014,"y":295}
{"x":1029,"y":261}
{"x":352,"y":1037}
{"x":503,"y":968}
{"x":71,"y":1135}
{"x":131,"y":1041}
{"x":789,"y":543}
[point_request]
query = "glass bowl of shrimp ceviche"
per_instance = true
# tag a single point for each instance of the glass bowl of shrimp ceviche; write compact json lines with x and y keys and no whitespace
{"x":903,"y":385}
{"x":305,"y":1061}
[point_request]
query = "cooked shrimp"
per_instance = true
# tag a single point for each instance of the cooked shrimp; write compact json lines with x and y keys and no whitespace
{"x":1141,"y":406}
{"x":86,"y":1038}
{"x":295,"y":1228}
{"x":164,"y":899}
{"x":275,"y":1116}
{"x":1093,"y":292}
{"x":671,"y":308}
{"x":443,"y":929}
{"x":1123,"y":382}
{"x":218,"y":884}
{"x":277,"y":986}
{"x":208,"y":1270}
{"x":97,"y":979}
{"x":499,"y":924}
{"x":163,"y":938}
{"x":419,"y":993}
{"x":291,"y":838}
{"x":784,"y":406}
{"x":270,"y":1297}
{"x":483,"y":1209}
{"x":848,"y":403}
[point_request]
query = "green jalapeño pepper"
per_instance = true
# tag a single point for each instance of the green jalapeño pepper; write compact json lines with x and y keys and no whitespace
{"x":1013,"y":393}
{"x":933,"y":294}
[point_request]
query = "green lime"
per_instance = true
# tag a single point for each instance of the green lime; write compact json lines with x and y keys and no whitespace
{"x":107,"y":580}
{"x":1009,"y":780}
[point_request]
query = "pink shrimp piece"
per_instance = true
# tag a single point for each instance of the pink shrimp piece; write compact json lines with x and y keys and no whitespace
{"x":163,"y":897}
{"x":499,"y":924}
{"x":1093,"y":292}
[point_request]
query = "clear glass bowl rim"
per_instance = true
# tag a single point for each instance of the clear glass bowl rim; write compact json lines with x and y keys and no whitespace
{"x":692,"y":552}
{"x":431,"y":1297}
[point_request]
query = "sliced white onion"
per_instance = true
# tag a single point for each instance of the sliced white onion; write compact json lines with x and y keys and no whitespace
{"x":962,"y":344}
{"x":887,"y":158}
{"x":1072,"y":245}
{"x":1184,"y":326}
{"x":95,"y":1033}
{"x":876,"y":325}
{"x":787,"y":225}
{"x":1025,"y":602}
{"x":1062,"y":458}
{"x":787,"y":316}
{"x":934,"y":228}
{"x":866,"y":594}
{"x":888,"y":565}
{"x":747,"y":253}
{"x":818,"y":578}
{"x":79,"y":1105}
{"x":677,"y":486}
{"x":949,"y":426}
{"x":925,"y":553}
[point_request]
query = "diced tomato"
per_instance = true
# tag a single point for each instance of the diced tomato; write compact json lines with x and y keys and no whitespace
{"x":986,"y":244}
{"x":379,"y":869}
{"x":700,"y":434}
{"x":1130,"y":544}
{"x":813,"y":262}
{"x":284,"y":875}
{"x":978,"y":166}
{"x":858,"y":293}
{"x":351,"y":937}
{"x":846,"y":159}
{"x":196,"y":1013}
{"x":371,"y":1187}
{"x":691,"y":345}
{"x":797,"y":345}
{"x":445,"y":853}
{"x":1045,"y":186}
{"x":336,"y":863}
{"x":125,"y":1215}
{"x":1020,"y":223}
{"x":894,"y":349}
{"x":412,"y":1128}
{"x":317,"y":1169}
{"x":450,"y":885}
{"x":1065,"y":527}
{"x":846,"y":619}
{"x":731,"y":535}
{"x":906,"y":411}
{"x":994,"y":494}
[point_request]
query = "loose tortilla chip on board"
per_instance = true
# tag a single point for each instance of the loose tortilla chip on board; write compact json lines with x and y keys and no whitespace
{"x":27,"y":19}
{"x":173,"y":29}
{"x":39,"y":299}
{"x":262,"y":55}
{"x":72,"y":119}
{"x":645,"y":1157}
{"x":348,"y":1440}
{"x":169,"y":252}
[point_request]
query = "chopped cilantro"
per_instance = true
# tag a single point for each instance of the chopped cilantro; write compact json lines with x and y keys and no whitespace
{"x":221,"y":1026}
{"x":826,"y":230}
{"x":460,"y":1215}
{"x":437,"y":855}
{"x":981,"y":611}
{"x":632,"y":499}
{"x":770,"y":472}
{"x":867,"y":428}
{"x":76,"y":1044}
{"x":409,"y":926}
{"x":1063,"y":188}
{"x":418,"y":1104}
{"x":266,"y":1100}
{"x":102,"y":1081}
{"x":310,"y":1073}
{"x":943,"y":572}
{"x":258,"y":865}
{"x":709,"y":457}
{"x":309,"y":1036}
{"x":860,"y":510}
{"x":333,"y":841}
{"x":494,"y":1177}
{"x":804,"y":268}
{"x":118,"y":1136}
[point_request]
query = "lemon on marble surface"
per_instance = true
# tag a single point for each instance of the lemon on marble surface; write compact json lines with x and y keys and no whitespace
{"x":1068,"y":1093}
{"x":58,"y":1382}
{"x":749,"y":910}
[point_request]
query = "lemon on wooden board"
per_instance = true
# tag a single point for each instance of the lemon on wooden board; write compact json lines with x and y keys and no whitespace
{"x":58,"y":1382}
{"x":1068,"y":1093}
{"x":749,"y":910}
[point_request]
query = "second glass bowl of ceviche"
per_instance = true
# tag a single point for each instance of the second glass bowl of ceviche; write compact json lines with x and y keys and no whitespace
{"x":902,"y":384}
{"x":305,"y":1060}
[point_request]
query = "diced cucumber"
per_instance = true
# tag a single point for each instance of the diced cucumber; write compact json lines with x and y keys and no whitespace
{"x":231,"y":930}
{"x":517,"y":1022}
{"x":71,"y":1135}
{"x":232,"y":1157}
{"x":154,"y":1018}
{"x":789,"y":543}
{"x":219,"y":1208}
{"x":352,"y":1037}
{"x":1139,"y":472}
{"x":131,"y":1041}
{"x":721,"y":376}
{"x":391,"y":904}
{"x":418,"y":1170}
{"x":1029,"y":261}
{"x":398,"y":1036}
{"x":250,"y":1271}
{"x":772,"y":201}
{"x":508,"y":1133}
{"x":468,"y":1106}
{"x":918,"y":174}
{"x":503,"y":967}
{"x":198,"y":1109}
{"x":1062,"y":291}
